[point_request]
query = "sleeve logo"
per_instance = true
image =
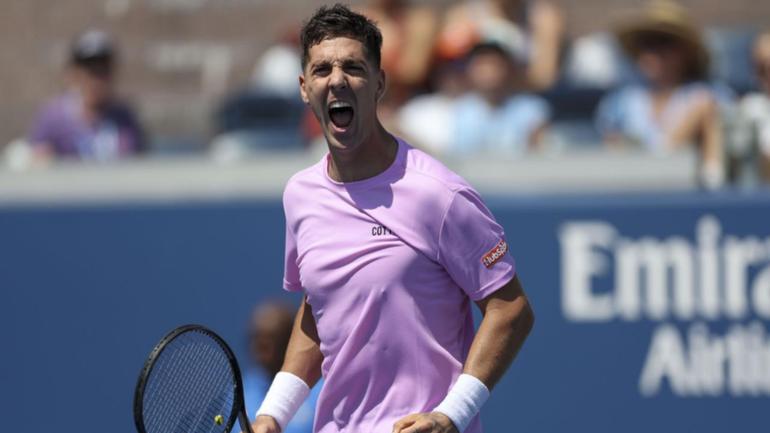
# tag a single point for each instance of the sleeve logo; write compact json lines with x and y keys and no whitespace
{"x":495,"y":254}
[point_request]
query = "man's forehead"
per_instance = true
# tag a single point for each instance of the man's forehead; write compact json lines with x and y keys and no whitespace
{"x":338,"y":48}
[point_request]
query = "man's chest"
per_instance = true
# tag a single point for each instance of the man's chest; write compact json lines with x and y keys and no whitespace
{"x":353,"y":251}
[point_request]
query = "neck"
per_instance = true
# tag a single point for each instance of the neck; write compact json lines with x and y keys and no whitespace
{"x":90,"y":112}
{"x":662,"y":91}
{"x":510,"y":9}
{"x":497,"y":98}
{"x":665,"y":85}
{"x":370,"y":159}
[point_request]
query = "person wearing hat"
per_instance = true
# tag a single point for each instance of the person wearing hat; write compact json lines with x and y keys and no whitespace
{"x":673,"y":106}
{"x":87,"y":122}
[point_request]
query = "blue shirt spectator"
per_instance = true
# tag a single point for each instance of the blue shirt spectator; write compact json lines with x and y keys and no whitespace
{"x":629,"y":112}
{"x":509,"y":128}
{"x":674,"y":109}
{"x":494,"y":117}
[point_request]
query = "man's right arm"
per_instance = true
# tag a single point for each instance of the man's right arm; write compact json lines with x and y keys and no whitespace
{"x":303,"y":355}
{"x":303,"y":359}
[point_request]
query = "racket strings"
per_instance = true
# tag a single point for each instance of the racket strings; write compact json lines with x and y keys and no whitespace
{"x":190,"y":386}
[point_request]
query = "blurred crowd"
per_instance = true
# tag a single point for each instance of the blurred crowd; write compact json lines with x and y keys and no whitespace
{"x":477,"y":77}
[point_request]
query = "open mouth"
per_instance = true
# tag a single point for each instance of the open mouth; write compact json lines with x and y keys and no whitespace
{"x":341,"y":114}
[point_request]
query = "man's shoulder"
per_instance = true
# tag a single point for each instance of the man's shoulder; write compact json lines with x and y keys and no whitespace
{"x":471,"y":102}
{"x":626,"y":93}
{"x":307,"y":178}
{"x":58,"y":107}
{"x":432,"y":175}
{"x":522,"y":101}
{"x":54,"y":119}
{"x":121,"y":111}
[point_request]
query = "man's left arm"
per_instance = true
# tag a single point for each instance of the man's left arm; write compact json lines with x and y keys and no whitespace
{"x":507,"y":320}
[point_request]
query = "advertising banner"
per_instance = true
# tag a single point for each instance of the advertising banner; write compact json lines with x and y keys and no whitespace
{"x":652,"y":310}
{"x":652,"y":314}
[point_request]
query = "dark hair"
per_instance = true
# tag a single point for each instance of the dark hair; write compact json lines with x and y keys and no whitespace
{"x":92,"y":47}
{"x":652,"y":40}
{"x":93,"y":51}
{"x":494,"y":48}
{"x":339,"y":21}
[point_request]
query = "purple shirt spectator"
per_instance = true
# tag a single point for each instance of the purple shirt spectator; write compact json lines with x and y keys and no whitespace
{"x":60,"y":125}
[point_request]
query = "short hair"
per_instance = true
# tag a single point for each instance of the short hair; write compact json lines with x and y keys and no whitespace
{"x":92,"y":47}
{"x":494,"y":48}
{"x":330,"y":22}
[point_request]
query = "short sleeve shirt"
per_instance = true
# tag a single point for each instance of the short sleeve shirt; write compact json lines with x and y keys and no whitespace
{"x":629,"y":112}
{"x":389,"y":266}
{"x":504,"y":130}
{"x":115,"y":134}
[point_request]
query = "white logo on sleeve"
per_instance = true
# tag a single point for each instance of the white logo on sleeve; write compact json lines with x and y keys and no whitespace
{"x":495,"y":254}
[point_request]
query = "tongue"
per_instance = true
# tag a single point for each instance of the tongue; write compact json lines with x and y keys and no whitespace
{"x":341,"y":117}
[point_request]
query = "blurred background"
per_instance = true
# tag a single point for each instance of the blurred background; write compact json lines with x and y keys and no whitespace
{"x":624,"y":146}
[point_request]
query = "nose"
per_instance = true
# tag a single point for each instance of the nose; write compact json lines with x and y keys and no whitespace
{"x":337,"y":79}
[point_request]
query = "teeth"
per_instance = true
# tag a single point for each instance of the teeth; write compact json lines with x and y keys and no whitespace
{"x":339,"y":104}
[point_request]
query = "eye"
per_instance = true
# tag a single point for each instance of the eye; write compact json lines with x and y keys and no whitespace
{"x":321,"y":70}
{"x":355,"y":69}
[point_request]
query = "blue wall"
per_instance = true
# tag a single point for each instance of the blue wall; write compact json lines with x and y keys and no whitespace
{"x":88,"y":290}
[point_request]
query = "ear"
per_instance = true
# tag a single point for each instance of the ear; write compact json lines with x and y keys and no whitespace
{"x":381,"y":84}
{"x":302,"y":90}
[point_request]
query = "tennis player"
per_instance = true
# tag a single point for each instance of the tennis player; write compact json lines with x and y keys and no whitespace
{"x":390,"y":247}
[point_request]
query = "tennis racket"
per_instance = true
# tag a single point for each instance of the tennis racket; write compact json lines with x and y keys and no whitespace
{"x":191,"y":383}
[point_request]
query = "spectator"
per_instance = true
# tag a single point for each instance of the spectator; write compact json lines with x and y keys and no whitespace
{"x":674,"y":106}
{"x":425,"y":119}
{"x":535,"y":28}
{"x":269,"y":333}
{"x":494,"y":117}
{"x":88,"y":122}
{"x":408,"y":35}
{"x":754,"y":111}
{"x":279,"y":66}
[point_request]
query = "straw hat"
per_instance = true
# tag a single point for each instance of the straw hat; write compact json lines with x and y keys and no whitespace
{"x":664,"y":17}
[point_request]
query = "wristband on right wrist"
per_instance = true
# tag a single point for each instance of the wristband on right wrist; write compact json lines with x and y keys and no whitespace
{"x":283,"y":399}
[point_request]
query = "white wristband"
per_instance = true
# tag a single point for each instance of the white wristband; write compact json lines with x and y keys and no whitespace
{"x":464,"y":401}
{"x":283,"y":399}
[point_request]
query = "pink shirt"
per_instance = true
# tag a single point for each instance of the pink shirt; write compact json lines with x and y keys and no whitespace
{"x":389,"y":266}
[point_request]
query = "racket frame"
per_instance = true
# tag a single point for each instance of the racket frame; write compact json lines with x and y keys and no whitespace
{"x":239,"y":408}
